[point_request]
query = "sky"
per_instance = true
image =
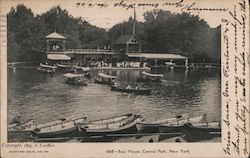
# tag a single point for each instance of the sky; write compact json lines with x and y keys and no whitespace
{"x":106,"y":17}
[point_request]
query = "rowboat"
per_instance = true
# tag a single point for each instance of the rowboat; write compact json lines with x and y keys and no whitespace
{"x":152,"y":75}
{"x":104,"y":79}
{"x":30,"y":126}
{"x":148,"y":77}
{"x":132,"y":90}
{"x":75,"y":79}
{"x":65,"y":128}
{"x":66,"y":67}
{"x":72,"y":65}
{"x":86,"y":71}
{"x":17,"y":126}
{"x":118,"y":124}
{"x":154,"y":126}
{"x":47,"y":68}
{"x":80,"y":69}
{"x":201,"y":128}
{"x":51,"y":71}
{"x":176,"y":126}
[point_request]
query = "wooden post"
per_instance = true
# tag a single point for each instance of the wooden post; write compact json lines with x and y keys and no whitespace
{"x":84,"y":60}
{"x":186,"y":62}
{"x":63,"y":45}
{"x":155,"y":62}
{"x":47,"y":45}
{"x":126,"y":48}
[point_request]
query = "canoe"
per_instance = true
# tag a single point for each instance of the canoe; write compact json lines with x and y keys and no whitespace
{"x":201,"y":128}
{"x":132,"y":90}
{"x":176,"y":126}
{"x":120,"y":124}
{"x":154,"y":126}
{"x":66,"y":128}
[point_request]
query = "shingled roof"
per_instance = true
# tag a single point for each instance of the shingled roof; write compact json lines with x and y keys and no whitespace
{"x":55,"y":35}
{"x":123,"y":39}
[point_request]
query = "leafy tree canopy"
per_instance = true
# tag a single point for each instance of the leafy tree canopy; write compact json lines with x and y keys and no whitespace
{"x":161,"y":32}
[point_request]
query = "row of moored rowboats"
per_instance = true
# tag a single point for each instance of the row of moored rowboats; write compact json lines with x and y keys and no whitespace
{"x":121,"y":124}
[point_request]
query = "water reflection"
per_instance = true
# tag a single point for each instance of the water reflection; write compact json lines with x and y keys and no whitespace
{"x":43,"y":97}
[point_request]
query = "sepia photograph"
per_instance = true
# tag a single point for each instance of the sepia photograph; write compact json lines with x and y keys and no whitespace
{"x":69,"y":80}
{"x":90,"y":72}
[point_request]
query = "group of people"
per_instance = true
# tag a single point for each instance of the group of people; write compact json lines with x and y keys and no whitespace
{"x":114,"y":83}
{"x":129,"y":87}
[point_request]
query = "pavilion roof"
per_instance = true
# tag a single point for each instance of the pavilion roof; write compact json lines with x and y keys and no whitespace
{"x":157,"y":55}
{"x":55,"y":35}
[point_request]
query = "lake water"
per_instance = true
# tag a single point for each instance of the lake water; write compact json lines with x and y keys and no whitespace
{"x":45,"y":97}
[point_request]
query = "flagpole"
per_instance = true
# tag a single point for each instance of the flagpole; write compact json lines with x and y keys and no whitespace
{"x":134,"y":22}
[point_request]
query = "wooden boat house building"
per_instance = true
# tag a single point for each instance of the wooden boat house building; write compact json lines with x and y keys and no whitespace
{"x":125,"y":48}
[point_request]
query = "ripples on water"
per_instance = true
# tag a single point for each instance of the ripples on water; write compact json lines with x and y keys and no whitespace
{"x":45,"y":97}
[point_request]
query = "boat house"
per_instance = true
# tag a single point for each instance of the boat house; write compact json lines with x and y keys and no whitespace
{"x":55,"y":48}
{"x":125,"y":48}
{"x":56,"y":52}
{"x":127,"y":44}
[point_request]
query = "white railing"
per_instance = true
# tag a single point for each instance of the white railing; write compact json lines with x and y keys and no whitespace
{"x":90,"y":50}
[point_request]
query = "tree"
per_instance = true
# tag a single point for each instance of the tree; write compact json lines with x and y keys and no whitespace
{"x":26,"y":32}
{"x":126,"y":27}
{"x":188,"y":33}
{"x":162,"y":32}
{"x":20,"y":23}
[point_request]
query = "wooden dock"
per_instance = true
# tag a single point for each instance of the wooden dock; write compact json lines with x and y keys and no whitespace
{"x":143,"y":138}
{"x":121,"y":68}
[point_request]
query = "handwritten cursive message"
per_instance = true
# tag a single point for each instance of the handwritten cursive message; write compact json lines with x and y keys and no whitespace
{"x":183,"y":5}
{"x":235,"y":82}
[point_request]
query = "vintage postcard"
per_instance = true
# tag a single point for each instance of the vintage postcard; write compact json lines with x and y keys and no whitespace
{"x":124,"y":78}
